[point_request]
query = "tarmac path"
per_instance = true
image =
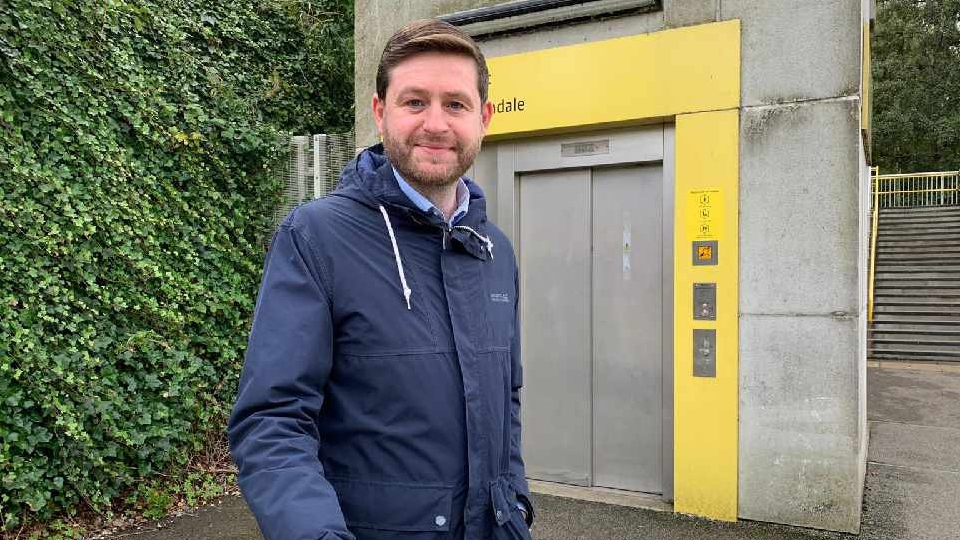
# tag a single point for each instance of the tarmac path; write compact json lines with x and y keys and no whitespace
{"x":912,"y":486}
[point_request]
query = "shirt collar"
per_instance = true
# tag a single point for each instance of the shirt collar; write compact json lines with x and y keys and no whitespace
{"x":463,"y":198}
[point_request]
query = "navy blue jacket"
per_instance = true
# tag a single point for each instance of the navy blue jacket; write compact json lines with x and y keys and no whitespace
{"x":380,"y":393}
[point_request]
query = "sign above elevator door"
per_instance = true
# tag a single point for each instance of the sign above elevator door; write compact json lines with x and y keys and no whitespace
{"x":623,"y":80}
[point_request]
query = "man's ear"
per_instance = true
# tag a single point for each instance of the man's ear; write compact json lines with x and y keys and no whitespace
{"x":377,"y":106}
{"x":486,"y":114}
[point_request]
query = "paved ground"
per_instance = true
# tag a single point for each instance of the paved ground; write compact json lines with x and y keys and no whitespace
{"x":913,"y":470}
{"x":912,"y":487}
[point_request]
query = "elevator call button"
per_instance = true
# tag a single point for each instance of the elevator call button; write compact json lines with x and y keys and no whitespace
{"x":704,"y":301}
{"x":704,"y":352}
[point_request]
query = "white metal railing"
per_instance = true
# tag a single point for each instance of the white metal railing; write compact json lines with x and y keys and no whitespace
{"x":313,"y":167}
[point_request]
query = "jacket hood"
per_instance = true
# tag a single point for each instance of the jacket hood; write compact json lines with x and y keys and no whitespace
{"x":369,"y":180}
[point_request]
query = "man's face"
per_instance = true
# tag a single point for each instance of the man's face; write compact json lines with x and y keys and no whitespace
{"x":432,"y":119}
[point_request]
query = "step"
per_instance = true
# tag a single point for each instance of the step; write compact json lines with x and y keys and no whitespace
{"x":949,"y":322}
{"x":936,"y":284}
{"x":897,"y":304}
{"x":926,"y":349}
{"x":949,"y":224}
{"x":928,"y":263}
{"x":911,"y":276}
{"x":911,"y":324}
{"x":906,"y":241}
{"x":948,"y":217}
{"x":918,"y":334}
{"x":918,"y":257}
{"x":917,"y":295}
{"x":917,"y":358}
{"x":937,"y":220}
{"x":909,"y":249}
{"x":886,"y":319}
{"x":918,"y":210}
{"x":915,"y":241}
{"x":905,"y":228}
{"x":920,"y":268}
{"x":919,"y":243}
{"x":919,"y":223}
{"x":883,"y":233}
{"x":924,"y":340}
{"x":909,"y":357}
{"x":929,"y":212}
{"x":920,"y":316}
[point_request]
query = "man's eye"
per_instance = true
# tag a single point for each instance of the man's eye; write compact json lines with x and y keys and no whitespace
{"x":457,"y":106}
{"x":415,"y":103}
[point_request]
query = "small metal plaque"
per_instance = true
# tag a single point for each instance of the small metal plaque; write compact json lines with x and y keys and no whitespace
{"x":705,"y":253}
{"x":585,"y":148}
{"x":704,"y":301}
{"x":704,"y":352}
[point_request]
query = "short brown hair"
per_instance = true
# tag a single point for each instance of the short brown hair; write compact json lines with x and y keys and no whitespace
{"x":430,"y":35}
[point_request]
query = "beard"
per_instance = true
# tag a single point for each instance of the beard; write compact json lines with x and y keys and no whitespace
{"x":430,"y":171}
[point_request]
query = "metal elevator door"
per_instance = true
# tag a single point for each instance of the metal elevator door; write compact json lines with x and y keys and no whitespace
{"x":590,"y":245}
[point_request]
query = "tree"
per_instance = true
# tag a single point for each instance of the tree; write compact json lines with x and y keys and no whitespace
{"x":137,"y":141}
{"x":916,"y":74}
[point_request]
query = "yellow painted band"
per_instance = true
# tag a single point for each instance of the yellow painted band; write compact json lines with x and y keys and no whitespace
{"x":866,"y":82}
{"x":629,"y":79}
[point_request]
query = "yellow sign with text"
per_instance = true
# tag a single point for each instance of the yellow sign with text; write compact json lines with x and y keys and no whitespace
{"x":704,"y":214}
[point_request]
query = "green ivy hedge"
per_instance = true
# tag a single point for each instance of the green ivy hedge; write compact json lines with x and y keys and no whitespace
{"x":136,"y":144}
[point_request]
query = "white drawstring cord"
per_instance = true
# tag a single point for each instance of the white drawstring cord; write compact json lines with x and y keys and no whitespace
{"x":396,"y":254}
{"x":483,"y":238}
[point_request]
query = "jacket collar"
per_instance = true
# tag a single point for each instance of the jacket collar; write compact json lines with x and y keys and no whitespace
{"x":369,"y":179}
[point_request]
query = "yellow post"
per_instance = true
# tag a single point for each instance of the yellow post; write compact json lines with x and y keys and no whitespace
{"x":706,"y":408}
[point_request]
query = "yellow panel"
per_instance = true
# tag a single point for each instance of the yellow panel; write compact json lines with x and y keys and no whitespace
{"x":866,"y":90}
{"x":628,"y":79}
{"x":706,"y":409}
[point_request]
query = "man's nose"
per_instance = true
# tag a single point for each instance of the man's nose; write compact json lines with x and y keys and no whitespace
{"x":436,"y":119}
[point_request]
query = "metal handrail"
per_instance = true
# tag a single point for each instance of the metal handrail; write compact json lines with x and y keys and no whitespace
{"x":910,"y":175}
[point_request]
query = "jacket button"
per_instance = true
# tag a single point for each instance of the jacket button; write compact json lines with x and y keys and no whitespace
{"x":440,"y":521}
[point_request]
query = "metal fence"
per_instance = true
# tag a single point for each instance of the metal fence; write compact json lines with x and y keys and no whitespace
{"x":313,"y":167}
{"x":917,"y":189}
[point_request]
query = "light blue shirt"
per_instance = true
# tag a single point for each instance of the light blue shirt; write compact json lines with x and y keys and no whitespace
{"x":423,"y":203}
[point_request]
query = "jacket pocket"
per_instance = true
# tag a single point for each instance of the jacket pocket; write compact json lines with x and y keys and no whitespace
{"x":394,"y":506}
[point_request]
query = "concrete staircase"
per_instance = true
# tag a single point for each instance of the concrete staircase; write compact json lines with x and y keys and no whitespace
{"x":916,"y":314}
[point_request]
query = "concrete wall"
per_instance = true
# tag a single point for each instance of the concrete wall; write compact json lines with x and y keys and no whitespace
{"x":803,"y":239}
{"x":802,"y":436}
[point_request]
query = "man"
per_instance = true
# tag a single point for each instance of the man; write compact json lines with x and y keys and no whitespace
{"x":380,"y":394}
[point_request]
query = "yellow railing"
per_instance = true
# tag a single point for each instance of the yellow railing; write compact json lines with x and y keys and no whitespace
{"x":906,"y":190}
{"x":917,"y":189}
